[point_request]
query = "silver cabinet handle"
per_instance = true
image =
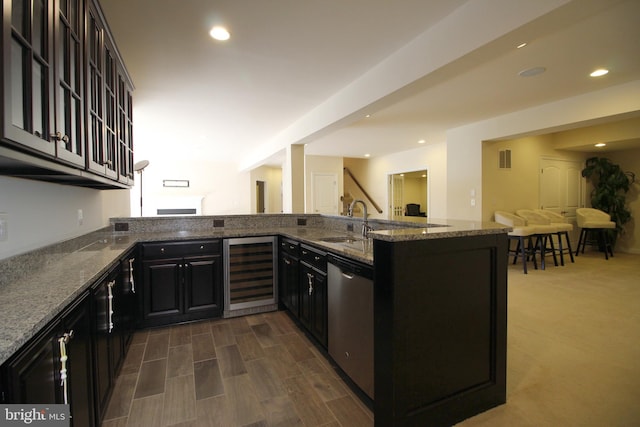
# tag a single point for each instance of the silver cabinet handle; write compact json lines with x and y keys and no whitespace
{"x":62,"y":342}
{"x":286,"y":261}
{"x":131,"y":275}
{"x":310,"y":277}
{"x":348,"y":276}
{"x":110,"y":286}
{"x":317,"y":258}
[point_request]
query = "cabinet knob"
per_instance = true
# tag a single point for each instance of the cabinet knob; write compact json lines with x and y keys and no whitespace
{"x":161,"y":250}
{"x":201,"y":246}
{"x":58,"y":136}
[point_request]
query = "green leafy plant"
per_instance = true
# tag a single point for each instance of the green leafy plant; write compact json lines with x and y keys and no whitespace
{"x":610,"y":186}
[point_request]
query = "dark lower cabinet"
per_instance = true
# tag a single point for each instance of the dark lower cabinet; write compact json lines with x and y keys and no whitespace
{"x":107,"y":347}
{"x":313,"y":292}
{"x":440,"y":310}
{"x":181,"y":281}
{"x":289,"y":288}
{"x":114,"y":305}
{"x":313,"y":302}
{"x":76,"y":338}
{"x":38,"y":374}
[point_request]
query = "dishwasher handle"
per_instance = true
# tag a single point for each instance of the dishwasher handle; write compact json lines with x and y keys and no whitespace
{"x":350,"y":267}
{"x":348,"y":275}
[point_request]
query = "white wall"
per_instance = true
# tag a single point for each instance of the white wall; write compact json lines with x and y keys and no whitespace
{"x":432,"y":157}
{"x":325,"y":165}
{"x":40,"y":213}
{"x":214,"y":187}
{"x":272,"y":177}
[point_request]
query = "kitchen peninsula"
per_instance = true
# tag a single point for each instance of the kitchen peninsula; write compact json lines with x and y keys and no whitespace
{"x":439,"y":298}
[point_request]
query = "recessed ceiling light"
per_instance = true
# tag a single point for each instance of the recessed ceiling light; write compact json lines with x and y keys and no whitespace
{"x":219,"y":33}
{"x":422,"y":141}
{"x":368,"y":115}
{"x":601,"y":144}
{"x":533,"y":71}
{"x":521,"y":45}
{"x":599,"y":72}
{"x":367,"y":155}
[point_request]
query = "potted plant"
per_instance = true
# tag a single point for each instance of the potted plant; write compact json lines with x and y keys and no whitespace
{"x":610,"y":186}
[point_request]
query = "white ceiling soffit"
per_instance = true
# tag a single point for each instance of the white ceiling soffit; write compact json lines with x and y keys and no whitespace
{"x":308,"y":71}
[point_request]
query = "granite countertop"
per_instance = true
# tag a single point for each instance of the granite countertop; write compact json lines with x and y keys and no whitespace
{"x":57,"y":275}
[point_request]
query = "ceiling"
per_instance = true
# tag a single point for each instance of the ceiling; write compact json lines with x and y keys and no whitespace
{"x":310,"y":71}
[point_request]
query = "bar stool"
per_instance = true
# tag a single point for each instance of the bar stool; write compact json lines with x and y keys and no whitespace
{"x":544,"y":234}
{"x":563,"y":230}
{"x":521,"y":233}
{"x":595,"y":220}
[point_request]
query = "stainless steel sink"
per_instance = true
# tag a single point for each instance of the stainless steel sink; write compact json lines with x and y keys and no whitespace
{"x":341,"y":239}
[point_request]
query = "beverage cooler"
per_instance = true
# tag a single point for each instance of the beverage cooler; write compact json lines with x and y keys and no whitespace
{"x":250,"y":276}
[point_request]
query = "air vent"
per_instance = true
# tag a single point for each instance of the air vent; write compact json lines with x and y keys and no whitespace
{"x":505,"y":159}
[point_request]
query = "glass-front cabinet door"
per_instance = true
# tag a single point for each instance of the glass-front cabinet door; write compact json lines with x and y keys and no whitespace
{"x":69,"y":95}
{"x":111,"y":111}
{"x":28,"y":100}
{"x":95,"y":87}
{"x":125,"y":130}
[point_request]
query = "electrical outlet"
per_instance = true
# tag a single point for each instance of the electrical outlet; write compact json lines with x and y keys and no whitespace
{"x":4,"y":227}
{"x":80,"y":217}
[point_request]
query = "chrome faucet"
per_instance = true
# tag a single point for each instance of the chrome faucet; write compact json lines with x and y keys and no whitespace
{"x":365,"y":224}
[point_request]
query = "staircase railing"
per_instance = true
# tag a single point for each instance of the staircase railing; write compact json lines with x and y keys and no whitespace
{"x":375,"y":205}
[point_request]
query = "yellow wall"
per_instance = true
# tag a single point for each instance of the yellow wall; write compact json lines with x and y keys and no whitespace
{"x":518,"y":187}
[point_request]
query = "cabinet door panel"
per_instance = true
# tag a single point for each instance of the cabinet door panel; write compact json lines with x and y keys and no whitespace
{"x":34,"y":376}
{"x":319,"y":308}
{"x":201,"y":284}
{"x":305,"y":291}
{"x":79,"y":368}
{"x":103,"y":380}
{"x":162,"y":294}
{"x":289,"y":287}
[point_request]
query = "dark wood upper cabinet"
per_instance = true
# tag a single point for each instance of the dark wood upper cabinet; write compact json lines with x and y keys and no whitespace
{"x":66,"y":115}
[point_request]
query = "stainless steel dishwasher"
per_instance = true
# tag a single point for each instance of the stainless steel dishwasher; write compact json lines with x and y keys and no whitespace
{"x":350,"y":324}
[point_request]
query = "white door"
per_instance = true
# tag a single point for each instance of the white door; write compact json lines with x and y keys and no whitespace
{"x":396,"y":196}
{"x":561,"y":187}
{"x":325,"y":193}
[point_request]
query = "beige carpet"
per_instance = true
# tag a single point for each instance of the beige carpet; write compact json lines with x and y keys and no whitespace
{"x":573,"y":345}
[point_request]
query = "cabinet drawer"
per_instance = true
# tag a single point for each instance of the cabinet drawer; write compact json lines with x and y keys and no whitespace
{"x":314,"y":257}
{"x":180,"y":249}
{"x":290,"y":247}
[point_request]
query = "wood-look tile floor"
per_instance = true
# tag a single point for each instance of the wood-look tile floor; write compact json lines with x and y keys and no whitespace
{"x":257,"y":370}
